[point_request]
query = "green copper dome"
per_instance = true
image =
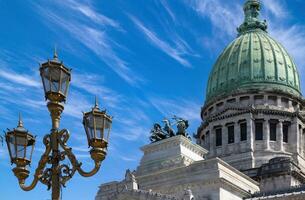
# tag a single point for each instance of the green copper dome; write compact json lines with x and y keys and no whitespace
{"x":253,"y":61}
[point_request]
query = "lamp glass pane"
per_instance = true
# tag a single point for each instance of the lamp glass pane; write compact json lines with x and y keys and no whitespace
{"x":107,"y":129}
{"x":89,"y":126}
{"x":65,"y":78}
{"x":21,"y":143}
{"x":46,"y":81}
{"x":29,"y":151}
{"x":100,"y":125}
{"x":11,"y":146}
{"x":52,"y":76}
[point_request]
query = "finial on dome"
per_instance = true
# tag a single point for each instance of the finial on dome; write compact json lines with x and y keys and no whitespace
{"x":251,"y":21}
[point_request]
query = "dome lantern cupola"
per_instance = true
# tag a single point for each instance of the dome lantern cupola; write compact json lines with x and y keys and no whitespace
{"x":252,"y":22}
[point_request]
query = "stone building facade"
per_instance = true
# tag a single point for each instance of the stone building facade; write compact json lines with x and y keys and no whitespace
{"x":251,"y":142}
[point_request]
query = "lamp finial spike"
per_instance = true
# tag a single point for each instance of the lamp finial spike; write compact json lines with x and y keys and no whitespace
{"x":20,"y":122}
{"x":55,"y":56}
{"x":96,"y":102}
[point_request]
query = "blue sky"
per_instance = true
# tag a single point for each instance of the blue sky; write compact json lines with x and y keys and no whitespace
{"x":144,"y":59}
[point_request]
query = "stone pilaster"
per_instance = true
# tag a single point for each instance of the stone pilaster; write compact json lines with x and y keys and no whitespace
{"x":279,"y":135}
{"x":266,"y":136}
{"x":301,"y":141}
{"x":237,"y":137}
{"x":250,"y":132}
{"x":293,"y":136}
{"x":279,"y":102}
{"x":225,"y":140}
{"x":212,"y":142}
{"x":290,"y":105}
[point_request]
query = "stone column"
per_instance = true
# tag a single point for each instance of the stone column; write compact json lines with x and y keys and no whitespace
{"x":300,"y":140}
{"x":237,"y":137}
{"x":279,"y":101}
{"x":207,"y":140}
{"x":224,"y":140}
{"x":290,"y":105}
{"x":279,"y":135}
{"x":266,"y":137}
{"x":293,"y":136}
{"x":251,"y":100}
{"x":250,"y":132}
{"x":212,"y":142}
{"x":303,"y":142}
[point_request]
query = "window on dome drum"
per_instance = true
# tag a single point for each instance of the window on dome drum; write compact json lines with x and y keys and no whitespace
{"x":259,"y":99}
{"x":272,"y":100}
{"x":218,"y":137}
{"x":258,"y":130}
{"x":285,"y":132}
{"x":231,"y":100}
{"x":231,"y":134}
{"x":243,"y":131}
{"x":244,"y":100}
{"x":272,"y":130}
{"x":285,"y":102}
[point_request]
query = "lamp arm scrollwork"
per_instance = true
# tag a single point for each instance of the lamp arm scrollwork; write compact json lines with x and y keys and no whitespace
{"x":41,"y":165}
{"x":63,"y":138}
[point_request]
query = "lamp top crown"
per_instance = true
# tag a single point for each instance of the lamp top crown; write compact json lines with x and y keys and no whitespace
{"x":20,"y":128}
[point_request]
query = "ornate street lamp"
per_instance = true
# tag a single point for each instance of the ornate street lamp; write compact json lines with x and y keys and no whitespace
{"x":56,"y":78}
{"x":20,"y":144}
{"x":97,"y":125}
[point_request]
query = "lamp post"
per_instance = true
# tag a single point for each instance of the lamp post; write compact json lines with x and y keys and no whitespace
{"x":56,"y":78}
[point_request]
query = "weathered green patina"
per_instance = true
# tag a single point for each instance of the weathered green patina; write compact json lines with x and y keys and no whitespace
{"x":253,"y":61}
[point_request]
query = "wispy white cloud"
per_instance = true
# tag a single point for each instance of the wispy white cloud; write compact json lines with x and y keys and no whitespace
{"x":80,"y":148}
{"x":177,"y":53}
{"x":95,"y":39}
{"x":21,"y":79}
{"x":94,"y":84}
{"x":37,"y":104}
{"x":2,"y":152}
{"x":224,"y":16}
{"x":276,"y":8}
{"x":129,"y":158}
{"x":133,"y":124}
{"x":187,"y":109}
{"x":76,"y":104}
{"x":6,"y":87}
{"x":168,"y":10}
{"x":132,"y":133}
{"x":92,"y":14}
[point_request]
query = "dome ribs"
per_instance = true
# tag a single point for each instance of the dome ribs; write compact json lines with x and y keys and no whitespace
{"x":272,"y":56}
{"x":231,"y":68}
{"x":261,"y":58}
